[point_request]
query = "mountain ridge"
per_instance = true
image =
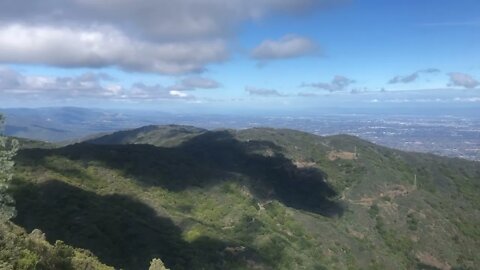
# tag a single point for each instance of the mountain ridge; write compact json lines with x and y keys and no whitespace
{"x":257,"y":198}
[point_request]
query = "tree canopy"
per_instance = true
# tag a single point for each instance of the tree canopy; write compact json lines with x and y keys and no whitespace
{"x":8,"y":148}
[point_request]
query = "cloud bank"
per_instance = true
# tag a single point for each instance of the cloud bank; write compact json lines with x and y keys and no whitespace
{"x":254,"y":91}
{"x":288,"y":46}
{"x":338,"y":83}
{"x":103,"y":47}
{"x":412,"y":77}
{"x":462,"y":80}
{"x":160,"y":36}
{"x":95,"y":86}
{"x":192,"y":83}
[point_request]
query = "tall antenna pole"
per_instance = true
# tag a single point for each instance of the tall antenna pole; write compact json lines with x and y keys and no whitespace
{"x":415,"y":181}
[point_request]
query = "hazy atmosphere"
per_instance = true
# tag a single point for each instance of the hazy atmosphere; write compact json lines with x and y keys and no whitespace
{"x":222,"y":56}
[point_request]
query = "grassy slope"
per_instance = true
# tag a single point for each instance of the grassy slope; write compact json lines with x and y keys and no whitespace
{"x":171,"y":135}
{"x":252,"y":198}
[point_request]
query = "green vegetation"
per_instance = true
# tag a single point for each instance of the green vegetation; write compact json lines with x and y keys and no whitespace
{"x":19,"y":250}
{"x":249,"y":199}
{"x":8,"y":149}
{"x":412,"y":222}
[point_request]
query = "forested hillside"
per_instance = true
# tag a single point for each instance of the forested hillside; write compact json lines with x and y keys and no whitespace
{"x":251,"y":199}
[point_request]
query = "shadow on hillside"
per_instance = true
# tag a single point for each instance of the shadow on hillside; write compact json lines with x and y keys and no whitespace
{"x":122,"y":232}
{"x":206,"y":160}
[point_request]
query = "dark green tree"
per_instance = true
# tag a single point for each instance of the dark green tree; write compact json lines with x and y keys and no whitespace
{"x":8,"y":149}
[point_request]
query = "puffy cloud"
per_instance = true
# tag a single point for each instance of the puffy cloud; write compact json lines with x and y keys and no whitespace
{"x":288,"y":46}
{"x":176,"y":93}
{"x":429,"y":100}
{"x":470,"y":99}
{"x":462,"y":80}
{"x":153,"y":19}
{"x":162,"y":36}
{"x":87,"y":85}
{"x":404,"y":79}
{"x":103,"y":46}
{"x":429,"y":70}
{"x":359,"y":90}
{"x":338,"y":83}
{"x":412,"y":77}
{"x":192,"y":83}
{"x":254,"y":91}
{"x":12,"y":82}
{"x":140,"y":91}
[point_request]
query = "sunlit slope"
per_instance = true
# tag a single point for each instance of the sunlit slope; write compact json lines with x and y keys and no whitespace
{"x":170,"y":135}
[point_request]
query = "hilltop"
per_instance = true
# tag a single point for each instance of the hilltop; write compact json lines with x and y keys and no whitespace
{"x":251,"y":199}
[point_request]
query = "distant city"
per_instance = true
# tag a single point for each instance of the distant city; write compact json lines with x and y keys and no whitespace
{"x":446,"y":136}
{"x":453,"y":136}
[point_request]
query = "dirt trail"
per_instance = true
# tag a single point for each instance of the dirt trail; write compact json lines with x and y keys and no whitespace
{"x":390,"y":192}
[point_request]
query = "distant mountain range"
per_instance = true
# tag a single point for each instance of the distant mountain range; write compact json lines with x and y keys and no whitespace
{"x":257,"y":198}
{"x":454,"y":132}
{"x":64,"y":124}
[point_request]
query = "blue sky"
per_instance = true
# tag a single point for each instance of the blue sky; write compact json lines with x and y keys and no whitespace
{"x":221,"y":56}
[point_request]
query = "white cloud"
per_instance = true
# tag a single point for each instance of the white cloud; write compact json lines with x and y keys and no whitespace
{"x":153,"y":19}
{"x":162,"y":36}
{"x":288,"y":46}
{"x":404,"y":79}
{"x":103,"y":46}
{"x":254,"y":91}
{"x":176,"y":93}
{"x":469,"y":99}
{"x":192,"y":83}
{"x":85,"y":86}
{"x":307,"y":94}
{"x":338,"y":83}
{"x":462,"y":80}
{"x":412,"y":77}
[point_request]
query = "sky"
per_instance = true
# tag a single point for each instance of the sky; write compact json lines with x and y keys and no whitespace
{"x":239,"y":55}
